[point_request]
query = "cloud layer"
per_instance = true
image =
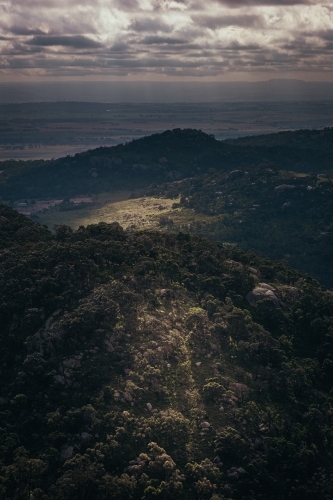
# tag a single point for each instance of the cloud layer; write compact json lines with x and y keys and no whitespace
{"x":165,"y":39}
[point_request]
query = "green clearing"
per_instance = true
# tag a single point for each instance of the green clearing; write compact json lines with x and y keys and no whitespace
{"x":138,"y":213}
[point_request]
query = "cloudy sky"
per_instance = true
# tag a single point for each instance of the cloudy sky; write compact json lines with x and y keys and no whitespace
{"x":165,"y":39}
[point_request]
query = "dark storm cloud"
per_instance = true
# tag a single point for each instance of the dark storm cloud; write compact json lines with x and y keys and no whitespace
{"x":245,"y":21}
{"x":324,"y":35}
{"x":236,"y":46}
{"x":22,"y":30}
{"x":77,"y":42}
{"x":150,"y":25}
{"x":154,"y":39}
{"x":164,"y":37}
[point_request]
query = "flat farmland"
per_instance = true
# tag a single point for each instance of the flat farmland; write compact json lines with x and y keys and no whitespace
{"x":56,"y":129}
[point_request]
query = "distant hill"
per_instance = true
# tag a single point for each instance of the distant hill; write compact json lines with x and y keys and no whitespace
{"x":159,"y":366}
{"x":172,"y":155}
{"x":319,"y":140}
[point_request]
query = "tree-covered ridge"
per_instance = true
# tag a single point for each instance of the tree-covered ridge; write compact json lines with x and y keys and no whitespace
{"x":281,"y":214}
{"x":18,"y":230}
{"x":172,"y":155}
{"x":320,"y":140}
{"x":154,"y":365}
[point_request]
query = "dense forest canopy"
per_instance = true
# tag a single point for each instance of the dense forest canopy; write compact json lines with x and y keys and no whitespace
{"x":159,"y":366}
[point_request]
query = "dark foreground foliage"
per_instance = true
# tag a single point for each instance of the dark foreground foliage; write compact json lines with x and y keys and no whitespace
{"x":160,"y":366}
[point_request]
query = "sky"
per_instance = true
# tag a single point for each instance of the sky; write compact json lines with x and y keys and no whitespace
{"x":165,"y":40}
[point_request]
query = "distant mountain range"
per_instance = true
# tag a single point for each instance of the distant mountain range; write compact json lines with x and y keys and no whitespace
{"x":270,"y":90}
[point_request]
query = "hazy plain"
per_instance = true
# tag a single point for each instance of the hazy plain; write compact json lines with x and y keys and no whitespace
{"x":55,"y":129}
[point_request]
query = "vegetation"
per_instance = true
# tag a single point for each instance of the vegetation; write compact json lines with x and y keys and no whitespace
{"x":320,"y":140}
{"x":159,"y":366}
{"x":170,"y":156}
{"x":281,"y":214}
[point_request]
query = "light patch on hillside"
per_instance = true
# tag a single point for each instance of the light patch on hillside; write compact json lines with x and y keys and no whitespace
{"x":137,"y":213}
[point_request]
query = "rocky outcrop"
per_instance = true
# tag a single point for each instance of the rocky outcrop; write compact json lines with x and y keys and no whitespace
{"x":283,"y":187}
{"x":263,"y":291}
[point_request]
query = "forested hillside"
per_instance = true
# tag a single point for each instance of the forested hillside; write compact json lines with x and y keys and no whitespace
{"x":159,"y":366}
{"x":320,"y":140}
{"x":281,"y":214}
{"x":170,"y":156}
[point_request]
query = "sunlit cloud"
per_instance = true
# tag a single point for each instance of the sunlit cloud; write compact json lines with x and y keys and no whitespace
{"x":165,"y":38}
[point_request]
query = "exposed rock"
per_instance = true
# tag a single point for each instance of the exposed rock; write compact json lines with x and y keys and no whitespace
{"x":149,"y":407}
{"x":263,"y":291}
{"x":66,"y":452}
{"x":198,"y":363}
{"x":71,"y":363}
{"x":85,"y":437}
{"x":205,"y":425}
{"x":42,"y":340}
{"x":282,"y":187}
{"x":108,"y":346}
{"x":60,"y":379}
{"x":128,"y":397}
{"x":268,"y":287}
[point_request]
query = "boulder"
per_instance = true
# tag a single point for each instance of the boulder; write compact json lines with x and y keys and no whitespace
{"x":283,"y":187}
{"x":108,"y":346}
{"x":263,"y":291}
{"x":60,"y":379}
{"x":128,"y":397}
{"x":66,"y":452}
{"x":71,"y":363}
{"x":85,"y":437}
